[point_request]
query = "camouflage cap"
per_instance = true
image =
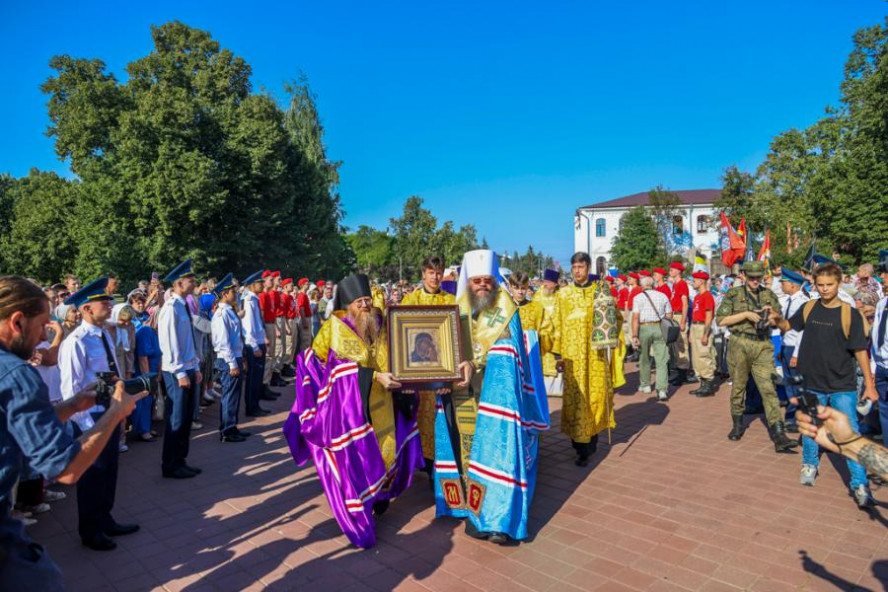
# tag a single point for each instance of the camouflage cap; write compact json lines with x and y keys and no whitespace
{"x":754,"y":269}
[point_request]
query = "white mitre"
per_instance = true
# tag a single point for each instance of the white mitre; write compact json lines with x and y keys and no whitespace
{"x":478,"y":263}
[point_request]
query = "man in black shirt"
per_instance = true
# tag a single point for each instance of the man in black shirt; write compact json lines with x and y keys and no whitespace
{"x":833,"y":346}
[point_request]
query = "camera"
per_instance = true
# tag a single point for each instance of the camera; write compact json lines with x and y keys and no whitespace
{"x":763,"y":326}
{"x":808,"y":401}
{"x":105,"y":382}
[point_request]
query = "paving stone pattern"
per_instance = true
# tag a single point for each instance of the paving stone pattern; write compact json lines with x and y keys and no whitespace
{"x":670,"y":504}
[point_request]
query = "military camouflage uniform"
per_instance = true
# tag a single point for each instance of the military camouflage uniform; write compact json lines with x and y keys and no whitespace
{"x":749,"y":352}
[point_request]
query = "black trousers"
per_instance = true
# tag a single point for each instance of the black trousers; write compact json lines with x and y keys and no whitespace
{"x":178,"y":415}
{"x":96,"y":490}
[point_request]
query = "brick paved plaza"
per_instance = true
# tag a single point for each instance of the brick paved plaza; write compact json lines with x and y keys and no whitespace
{"x":671,"y":504}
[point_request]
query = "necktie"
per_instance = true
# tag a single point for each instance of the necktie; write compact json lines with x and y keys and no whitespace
{"x":112,"y":367}
{"x":882,"y":323}
{"x":788,"y":303}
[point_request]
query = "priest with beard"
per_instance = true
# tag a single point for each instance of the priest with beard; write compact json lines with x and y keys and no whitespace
{"x":487,"y":428}
{"x":349,"y":418}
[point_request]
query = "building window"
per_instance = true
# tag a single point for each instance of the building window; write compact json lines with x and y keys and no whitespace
{"x":677,"y":225}
{"x":600,"y":228}
{"x":704,"y":223}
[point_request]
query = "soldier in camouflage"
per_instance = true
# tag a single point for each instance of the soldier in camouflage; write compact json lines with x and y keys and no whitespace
{"x":751,"y":351}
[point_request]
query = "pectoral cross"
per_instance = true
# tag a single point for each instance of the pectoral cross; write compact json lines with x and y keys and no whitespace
{"x":494,"y":317}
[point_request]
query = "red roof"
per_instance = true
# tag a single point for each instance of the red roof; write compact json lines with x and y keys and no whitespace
{"x":688,"y":197}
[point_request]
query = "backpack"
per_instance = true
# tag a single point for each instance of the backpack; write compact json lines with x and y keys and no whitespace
{"x":846,"y":317}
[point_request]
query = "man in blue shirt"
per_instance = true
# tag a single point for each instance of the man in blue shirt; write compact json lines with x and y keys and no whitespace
{"x":31,"y":431}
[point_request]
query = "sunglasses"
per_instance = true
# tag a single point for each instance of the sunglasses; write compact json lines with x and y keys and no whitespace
{"x":479,"y":281}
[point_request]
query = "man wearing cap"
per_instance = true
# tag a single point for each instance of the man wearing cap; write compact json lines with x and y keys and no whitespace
{"x":268,"y":302}
{"x":660,"y":284}
{"x":180,"y":367}
{"x":751,"y":351}
{"x":680,"y":298}
{"x":362,"y":436}
{"x":290,"y":328}
{"x":792,"y":300}
{"x":255,"y":341}
{"x":590,"y":377}
{"x":87,"y":351}
{"x":430,"y":294}
{"x":702,"y":348}
{"x":546,"y":295}
{"x":229,"y":347}
{"x":303,"y":311}
{"x":487,"y":429}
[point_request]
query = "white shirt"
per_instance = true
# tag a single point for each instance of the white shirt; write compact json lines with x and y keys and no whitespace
{"x":227,"y":339}
{"x":81,"y":356}
{"x":51,"y":376}
{"x":880,"y":354}
{"x":254,"y":327}
{"x":646,"y":312}
{"x":789,"y":305}
{"x":175,"y":332}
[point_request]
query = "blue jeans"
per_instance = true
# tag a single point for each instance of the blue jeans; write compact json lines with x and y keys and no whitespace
{"x":846,"y":403}
{"x":882,"y":387}
{"x":231,"y":391}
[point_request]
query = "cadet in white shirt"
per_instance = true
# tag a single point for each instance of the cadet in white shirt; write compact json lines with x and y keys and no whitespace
{"x":790,"y":302}
{"x":254,"y":345}
{"x":228,"y":344}
{"x":87,"y":351}
{"x":180,"y":367}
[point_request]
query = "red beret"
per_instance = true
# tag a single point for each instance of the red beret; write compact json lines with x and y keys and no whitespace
{"x":287,"y":281}
{"x":321,"y":284}
{"x":621,"y":277}
{"x":644,"y":273}
{"x":303,"y":281}
{"x":609,"y":278}
{"x":634,"y":275}
{"x":660,"y":270}
{"x":700,"y":275}
{"x":266,"y":273}
{"x":677,"y":265}
{"x":275,"y":274}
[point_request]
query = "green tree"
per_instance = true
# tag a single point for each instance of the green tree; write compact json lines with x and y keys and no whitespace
{"x":374,"y":253}
{"x":40,"y":243}
{"x":637,"y":246}
{"x":414,"y":233}
{"x":664,"y":207}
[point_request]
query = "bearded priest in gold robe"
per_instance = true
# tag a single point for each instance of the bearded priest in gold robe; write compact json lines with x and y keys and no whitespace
{"x":430,"y":294}
{"x":590,"y":375}
{"x":546,"y":296}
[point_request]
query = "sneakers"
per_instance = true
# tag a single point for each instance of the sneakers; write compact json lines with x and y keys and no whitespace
{"x":123,"y":448}
{"x":863,"y":497}
{"x":808,"y":475}
{"x":38,"y":509}
{"x":662,"y":396}
{"x":644,"y":389}
{"x":53,"y":496}
{"x":23,"y":517}
{"x":196,"y":425}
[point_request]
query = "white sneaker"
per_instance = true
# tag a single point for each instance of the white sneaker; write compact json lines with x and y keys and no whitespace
{"x":38,"y":509}
{"x":644,"y":389}
{"x":23,"y":517}
{"x":662,"y":396}
{"x":863,"y":497}
{"x":53,"y":496}
{"x":123,"y":448}
{"x":196,"y":425}
{"x":808,"y":475}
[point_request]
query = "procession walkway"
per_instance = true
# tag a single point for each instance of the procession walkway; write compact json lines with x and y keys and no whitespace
{"x":670,"y":504}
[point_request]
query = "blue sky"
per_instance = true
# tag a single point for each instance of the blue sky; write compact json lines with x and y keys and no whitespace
{"x":506,"y":115}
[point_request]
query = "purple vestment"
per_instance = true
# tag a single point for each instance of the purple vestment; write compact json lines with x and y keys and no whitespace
{"x":328,"y":424}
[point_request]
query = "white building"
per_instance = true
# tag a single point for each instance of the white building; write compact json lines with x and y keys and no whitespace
{"x":695,"y":224}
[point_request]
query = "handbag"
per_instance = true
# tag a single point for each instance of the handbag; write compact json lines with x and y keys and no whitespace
{"x":671,"y":329}
{"x":157,"y":413}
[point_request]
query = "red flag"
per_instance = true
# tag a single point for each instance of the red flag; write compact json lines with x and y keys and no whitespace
{"x":732,"y":244}
{"x":765,"y":252}
{"x":741,"y":230}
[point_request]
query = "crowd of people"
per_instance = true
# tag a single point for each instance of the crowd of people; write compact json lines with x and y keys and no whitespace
{"x":182,"y":344}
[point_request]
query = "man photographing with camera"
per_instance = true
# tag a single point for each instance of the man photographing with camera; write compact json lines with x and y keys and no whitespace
{"x":32,"y":431}
{"x":750,"y":310}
